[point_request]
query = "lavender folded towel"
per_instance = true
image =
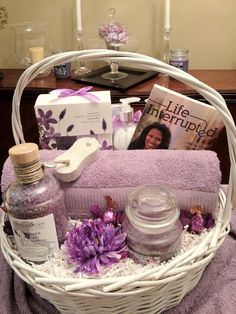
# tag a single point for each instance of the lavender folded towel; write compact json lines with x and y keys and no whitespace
{"x":193,"y":175}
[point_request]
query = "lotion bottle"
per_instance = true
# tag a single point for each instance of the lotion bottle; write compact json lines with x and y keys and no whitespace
{"x":124,"y":130}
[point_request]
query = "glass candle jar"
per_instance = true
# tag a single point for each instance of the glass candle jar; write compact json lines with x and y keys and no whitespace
{"x":152,"y":223}
{"x":179,"y":59}
{"x":63,"y":70}
{"x":35,"y":205}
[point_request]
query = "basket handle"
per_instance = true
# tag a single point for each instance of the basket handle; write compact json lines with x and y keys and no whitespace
{"x":211,"y":95}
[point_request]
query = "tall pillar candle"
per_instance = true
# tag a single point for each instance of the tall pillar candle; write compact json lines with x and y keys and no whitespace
{"x":167,"y":15}
{"x":36,"y":54}
{"x":78,"y":15}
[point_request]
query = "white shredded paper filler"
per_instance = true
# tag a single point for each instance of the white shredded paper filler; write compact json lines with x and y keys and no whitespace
{"x":57,"y":265}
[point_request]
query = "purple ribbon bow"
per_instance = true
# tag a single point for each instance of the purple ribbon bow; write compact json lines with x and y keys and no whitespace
{"x":84,"y":92}
{"x":116,"y":118}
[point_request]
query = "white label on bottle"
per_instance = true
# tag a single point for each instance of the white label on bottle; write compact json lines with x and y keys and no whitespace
{"x":36,"y":239}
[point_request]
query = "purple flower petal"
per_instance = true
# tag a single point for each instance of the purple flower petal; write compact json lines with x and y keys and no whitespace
{"x":62,"y":114}
{"x":93,"y":244}
{"x":70,"y":128}
{"x":104,"y":259}
{"x":40,"y":112}
{"x":114,"y":33}
{"x":48,"y":114}
{"x":185,"y":218}
{"x":96,"y":211}
{"x":113,"y":255}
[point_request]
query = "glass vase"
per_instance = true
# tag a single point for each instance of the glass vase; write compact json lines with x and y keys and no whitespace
{"x":31,"y":43}
{"x":115,"y":35}
{"x":114,"y":74}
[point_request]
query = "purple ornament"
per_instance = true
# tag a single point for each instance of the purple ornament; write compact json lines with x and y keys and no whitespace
{"x":195,"y":220}
{"x":109,"y":216}
{"x":197,"y":223}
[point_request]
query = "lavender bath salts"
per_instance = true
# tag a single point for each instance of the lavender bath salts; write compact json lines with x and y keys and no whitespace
{"x":35,"y":200}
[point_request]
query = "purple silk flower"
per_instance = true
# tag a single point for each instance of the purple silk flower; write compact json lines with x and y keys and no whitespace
{"x":93,"y":244}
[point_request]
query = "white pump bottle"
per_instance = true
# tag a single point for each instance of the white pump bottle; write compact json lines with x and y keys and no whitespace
{"x":123,"y":133}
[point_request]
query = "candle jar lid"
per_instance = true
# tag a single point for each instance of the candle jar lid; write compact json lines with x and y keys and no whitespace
{"x":152,"y":207}
{"x":179,"y":52}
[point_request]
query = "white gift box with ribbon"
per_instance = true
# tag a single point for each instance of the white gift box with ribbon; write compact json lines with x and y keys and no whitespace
{"x":64,"y":115}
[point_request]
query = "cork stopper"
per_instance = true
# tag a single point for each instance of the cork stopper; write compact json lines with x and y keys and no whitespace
{"x":24,"y":153}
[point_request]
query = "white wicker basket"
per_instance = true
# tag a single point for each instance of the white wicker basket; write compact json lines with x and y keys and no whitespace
{"x":134,"y":293}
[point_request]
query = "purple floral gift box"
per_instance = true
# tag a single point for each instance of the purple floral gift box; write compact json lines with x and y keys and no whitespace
{"x":65,"y":115}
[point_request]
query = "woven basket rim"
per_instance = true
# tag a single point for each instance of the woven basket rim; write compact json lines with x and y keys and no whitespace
{"x":200,"y":254}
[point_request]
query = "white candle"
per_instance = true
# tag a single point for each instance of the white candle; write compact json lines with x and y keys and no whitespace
{"x":78,"y":15}
{"x":36,"y":54}
{"x":167,"y":15}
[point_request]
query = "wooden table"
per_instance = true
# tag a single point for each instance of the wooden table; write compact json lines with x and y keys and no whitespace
{"x":223,"y":81}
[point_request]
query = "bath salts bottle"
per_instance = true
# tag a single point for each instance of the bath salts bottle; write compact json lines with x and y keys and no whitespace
{"x":35,"y":205}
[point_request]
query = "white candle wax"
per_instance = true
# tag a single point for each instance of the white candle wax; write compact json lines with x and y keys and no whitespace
{"x":167,"y":14}
{"x":78,"y":15}
{"x":36,"y":54}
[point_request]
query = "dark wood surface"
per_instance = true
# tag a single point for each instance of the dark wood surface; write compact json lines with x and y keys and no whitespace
{"x":223,"y":81}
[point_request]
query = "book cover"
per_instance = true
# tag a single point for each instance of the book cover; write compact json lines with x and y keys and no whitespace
{"x":186,"y":123}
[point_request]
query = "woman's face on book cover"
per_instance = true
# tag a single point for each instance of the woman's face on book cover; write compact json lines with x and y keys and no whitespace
{"x":153,"y":139}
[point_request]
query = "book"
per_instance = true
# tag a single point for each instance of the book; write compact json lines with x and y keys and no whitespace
{"x":192,"y":124}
